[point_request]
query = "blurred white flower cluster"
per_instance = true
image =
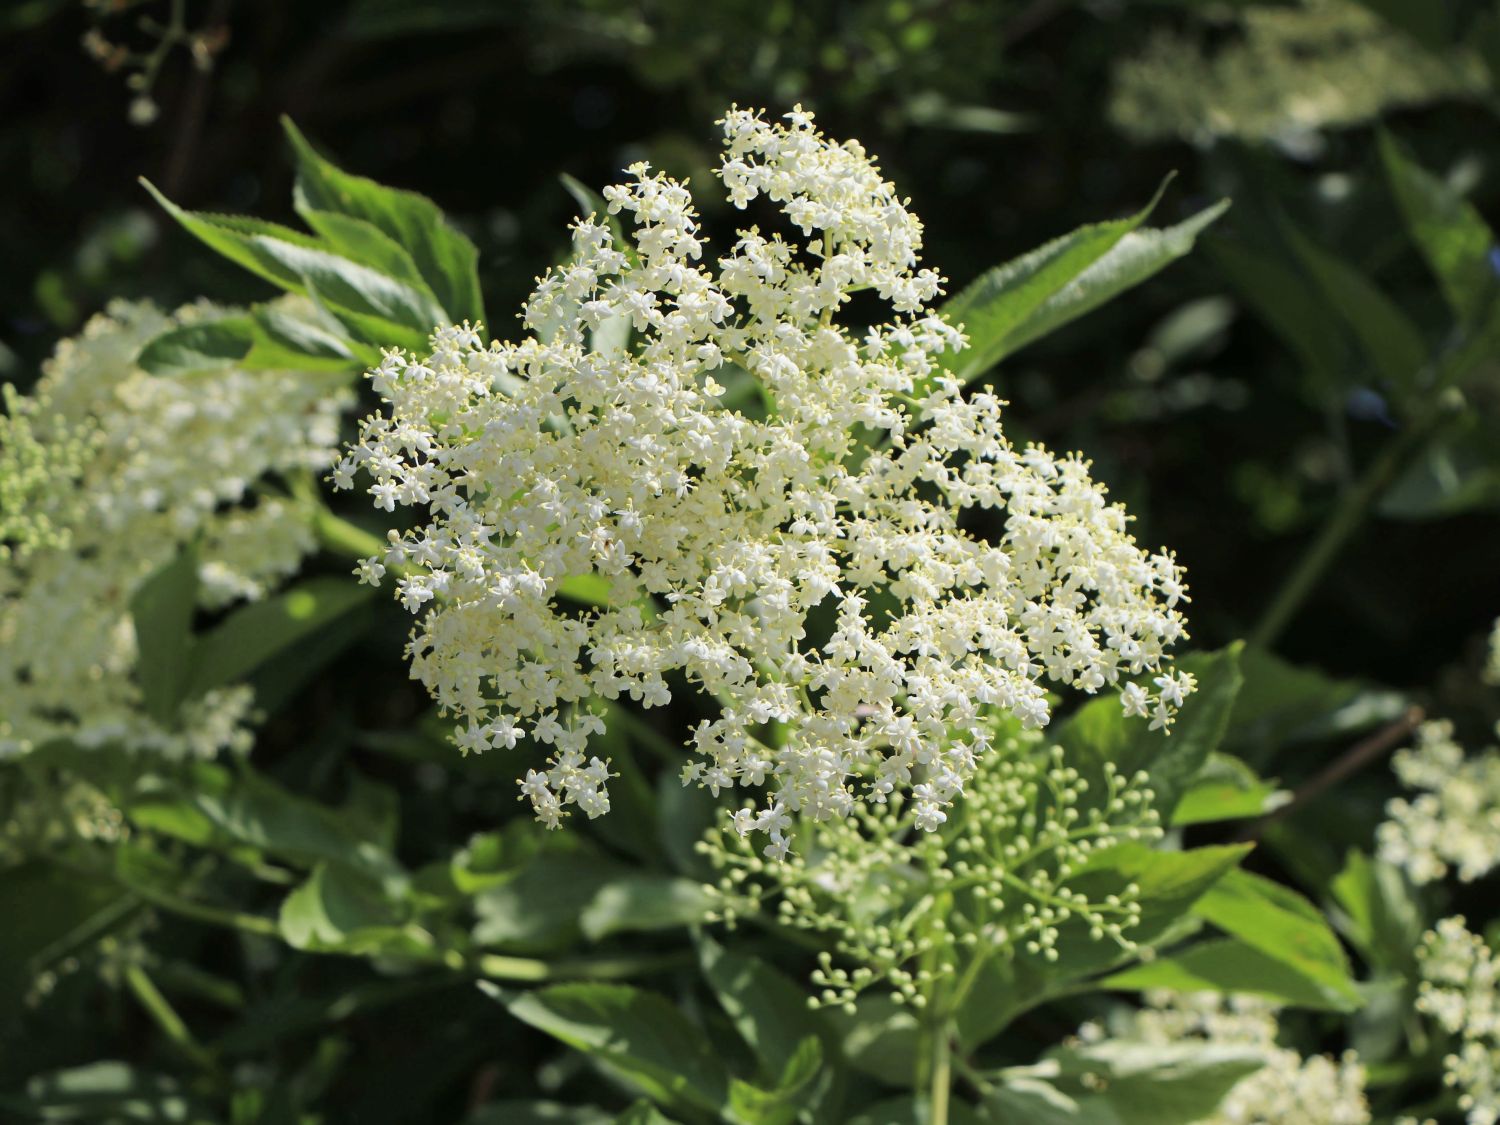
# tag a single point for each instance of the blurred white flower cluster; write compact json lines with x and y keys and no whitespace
{"x":1288,"y":1090}
{"x":1460,"y":990}
{"x":823,"y":567}
{"x":1454,"y":821}
{"x":909,"y":909}
{"x":123,"y":469}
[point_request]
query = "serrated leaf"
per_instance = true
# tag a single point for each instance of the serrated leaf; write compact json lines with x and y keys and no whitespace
{"x":993,"y":306}
{"x":383,"y":308}
{"x":445,"y":259}
{"x":1139,"y":255}
{"x":633,"y":1034}
{"x":1030,"y":296}
{"x":254,"y":633}
{"x":162,"y":612}
{"x":1284,"y":926}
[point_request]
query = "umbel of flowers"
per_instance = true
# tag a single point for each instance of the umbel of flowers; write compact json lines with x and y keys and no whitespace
{"x":923,"y":912}
{"x":106,"y":471}
{"x":812,"y":565}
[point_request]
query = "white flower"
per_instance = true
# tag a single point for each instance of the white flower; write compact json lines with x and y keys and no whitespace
{"x":1460,"y":989}
{"x":122,"y":469}
{"x":1454,"y":821}
{"x":816,"y":569}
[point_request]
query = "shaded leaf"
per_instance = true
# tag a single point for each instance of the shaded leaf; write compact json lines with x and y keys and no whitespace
{"x":162,"y":611}
{"x":636,"y":1035}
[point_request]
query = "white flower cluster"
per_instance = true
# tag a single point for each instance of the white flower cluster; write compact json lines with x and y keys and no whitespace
{"x":1460,"y":989}
{"x":1288,"y":1090}
{"x":910,"y":909}
{"x":824,"y":567}
{"x":140,"y":466}
{"x":1455,"y":820}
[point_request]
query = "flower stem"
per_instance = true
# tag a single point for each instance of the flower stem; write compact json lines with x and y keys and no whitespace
{"x":939,"y":1072}
{"x":165,"y":1016}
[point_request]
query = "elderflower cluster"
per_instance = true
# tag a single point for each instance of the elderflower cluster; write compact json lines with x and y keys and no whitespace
{"x":125,"y":468}
{"x":1288,"y":1090}
{"x":1460,"y":990}
{"x":861,"y":561}
{"x":1454,"y":821}
{"x":1001,"y":876}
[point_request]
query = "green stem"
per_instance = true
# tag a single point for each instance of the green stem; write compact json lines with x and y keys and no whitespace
{"x":939,"y":1072}
{"x":1347,"y":517}
{"x":160,"y":1009}
{"x":530,"y":970}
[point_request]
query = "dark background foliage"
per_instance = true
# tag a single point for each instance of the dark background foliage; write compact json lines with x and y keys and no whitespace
{"x":1008,"y":122}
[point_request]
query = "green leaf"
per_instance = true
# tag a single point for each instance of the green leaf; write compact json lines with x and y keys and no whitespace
{"x":634,"y":1034}
{"x":1025,"y":299}
{"x":295,"y":334}
{"x":1168,"y":883}
{"x":384,"y":308}
{"x":995,"y":305}
{"x":1139,"y":255}
{"x":1225,"y":789}
{"x":768,"y":1010}
{"x":1378,"y":912}
{"x":1284,"y":926}
{"x":643,"y":901}
{"x":446,"y":260}
{"x":795,"y":1090}
{"x":540,"y":907}
{"x":337,"y":910}
{"x":195,"y":348}
{"x":1143,"y":1084}
{"x":1227,"y":965}
{"x":244,"y":809}
{"x":1447,"y":229}
{"x":255,"y":633}
{"x":162,"y":611}
{"x":1099,"y":731}
{"x":1389,"y":341}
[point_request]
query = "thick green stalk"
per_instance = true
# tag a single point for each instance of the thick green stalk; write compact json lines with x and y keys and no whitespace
{"x":939,"y":1072}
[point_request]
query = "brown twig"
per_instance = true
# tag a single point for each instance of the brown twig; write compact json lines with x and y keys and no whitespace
{"x":1356,"y":758}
